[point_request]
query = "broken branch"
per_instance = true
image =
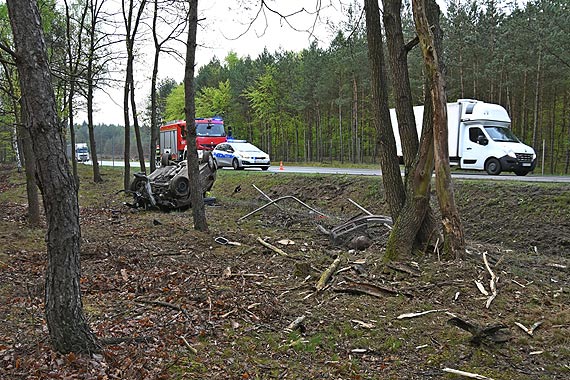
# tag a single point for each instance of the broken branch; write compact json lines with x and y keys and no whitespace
{"x":327,"y":274}
{"x":414,"y":315}
{"x":466,"y":374}
{"x":272,"y":247}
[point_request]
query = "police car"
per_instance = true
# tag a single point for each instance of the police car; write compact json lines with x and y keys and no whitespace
{"x":240,"y":154}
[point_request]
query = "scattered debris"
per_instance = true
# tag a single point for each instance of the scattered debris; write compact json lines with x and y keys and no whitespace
{"x":365,"y":325}
{"x":223,"y":241}
{"x":296,"y":324}
{"x":280,"y":199}
{"x":530,"y":330}
{"x":466,"y":374}
{"x":414,"y":315}
{"x":286,"y":242}
{"x":493,"y":333}
{"x":272,"y":247}
{"x":327,"y":274}
{"x":360,"y":243}
{"x":369,"y":289}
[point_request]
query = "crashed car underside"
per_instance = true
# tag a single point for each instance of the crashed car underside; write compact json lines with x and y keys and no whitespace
{"x":168,"y":187}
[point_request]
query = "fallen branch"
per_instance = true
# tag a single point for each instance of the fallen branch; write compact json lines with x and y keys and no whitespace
{"x":466,"y":374}
{"x":492,"y":282}
{"x":161,"y":303}
{"x":272,"y":247}
{"x":404,"y":268}
{"x":195,"y":351}
{"x":369,"y":289}
{"x":414,"y":315}
{"x":481,"y":288}
{"x":327,"y":274}
{"x":530,"y":330}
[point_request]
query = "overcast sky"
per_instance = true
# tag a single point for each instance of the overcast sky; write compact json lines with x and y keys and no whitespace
{"x":226,"y":27}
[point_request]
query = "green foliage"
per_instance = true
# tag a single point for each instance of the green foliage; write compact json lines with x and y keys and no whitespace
{"x":214,"y":101}
{"x":174,"y":109}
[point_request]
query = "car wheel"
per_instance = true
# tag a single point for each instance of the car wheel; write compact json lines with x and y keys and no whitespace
{"x":138,"y":185}
{"x":164,"y":159}
{"x":181,"y":186}
{"x":235,"y":164}
{"x":493,"y":166}
{"x":521,"y":173}
{"x":264,"y":167}
{"x":209,"y":159}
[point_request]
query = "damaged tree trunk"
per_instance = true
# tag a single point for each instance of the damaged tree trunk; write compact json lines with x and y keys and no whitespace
{"x":454,"y":244}
{"x":416,"y":223}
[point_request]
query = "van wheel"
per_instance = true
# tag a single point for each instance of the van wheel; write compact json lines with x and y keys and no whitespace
{"x":493,"y":166}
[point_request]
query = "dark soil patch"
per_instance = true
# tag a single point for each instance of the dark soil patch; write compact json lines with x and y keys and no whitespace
{"x":200,"y":309}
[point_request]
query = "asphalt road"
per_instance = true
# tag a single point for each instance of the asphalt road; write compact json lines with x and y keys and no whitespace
{"x":377,"y":172}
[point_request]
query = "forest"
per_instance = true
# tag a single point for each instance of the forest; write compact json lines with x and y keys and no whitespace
{"x":314,"y":105}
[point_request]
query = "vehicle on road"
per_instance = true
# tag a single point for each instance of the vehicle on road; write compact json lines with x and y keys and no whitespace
{"x":479,"y":138}
{"x":81,"y":152}
{"x":209,"y":133}
{"x":168,"y":187}
{"x":240,"y":154}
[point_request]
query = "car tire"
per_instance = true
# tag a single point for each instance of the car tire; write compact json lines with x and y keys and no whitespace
{"x":235,"y":164}
{"x":209,"y":159}
{"x":137,"y":186}
{"x":264,"y":168}
{"x":493,"y":166}
{"x":521,"y":173}
{"x":164,"y":159}
{"x":181,"y":186}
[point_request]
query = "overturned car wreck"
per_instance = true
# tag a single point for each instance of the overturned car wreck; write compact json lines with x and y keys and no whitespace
{"x":168,"y":187}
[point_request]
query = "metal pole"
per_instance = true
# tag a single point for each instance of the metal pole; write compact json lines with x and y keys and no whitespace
{"x":543,"y":147}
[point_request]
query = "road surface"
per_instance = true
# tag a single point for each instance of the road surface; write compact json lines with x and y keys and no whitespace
{"x":377,"y":172}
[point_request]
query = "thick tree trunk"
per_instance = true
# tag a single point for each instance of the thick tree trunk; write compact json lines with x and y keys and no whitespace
{"x":196,"y":196}
{"x":391,"y":176}
{"x":418,"y":168}
{"x":454,"y":243}
{"x":67,"y":326}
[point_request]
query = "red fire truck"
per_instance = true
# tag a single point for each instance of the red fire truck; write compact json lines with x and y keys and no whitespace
{"x":209,"y":133}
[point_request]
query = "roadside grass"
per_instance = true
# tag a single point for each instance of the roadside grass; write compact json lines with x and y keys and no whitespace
{"x":236,"y":319}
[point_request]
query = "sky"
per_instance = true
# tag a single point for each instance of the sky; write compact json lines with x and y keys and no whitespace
{"x":225,"y":27}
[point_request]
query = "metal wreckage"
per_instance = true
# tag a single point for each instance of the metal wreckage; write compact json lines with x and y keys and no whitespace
{"x":168,"y":187}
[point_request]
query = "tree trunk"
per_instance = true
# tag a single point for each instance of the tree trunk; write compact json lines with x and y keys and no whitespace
{"x":454,"y":243}
{"x":196,"y":196}
{"x":391,"y":176}
{"x":406,"y":229}
{"x":68,"y":329}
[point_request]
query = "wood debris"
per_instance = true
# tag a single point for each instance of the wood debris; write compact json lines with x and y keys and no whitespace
{"x":492,"y":282}
{"x":365,"y":325}
{"x":327,"y":274}
{"x":466,"y":374}
{"x":530,"y":330}
{"x":272,"y":247}
{"x":368,"y":289}
{"x":414,"y":315}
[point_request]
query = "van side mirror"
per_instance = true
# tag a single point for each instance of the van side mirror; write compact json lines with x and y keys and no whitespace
{"x":482,"y":140}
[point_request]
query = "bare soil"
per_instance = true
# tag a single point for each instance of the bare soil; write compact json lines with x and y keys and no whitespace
{"x":168,"y":302}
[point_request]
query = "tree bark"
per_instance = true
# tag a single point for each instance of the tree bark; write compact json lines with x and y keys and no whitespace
{"x":196,"y":196}
{"x":454,"y":243}
{"x":68,"y":329}
{"x":412,"y":227}
{"x":386,"y":142}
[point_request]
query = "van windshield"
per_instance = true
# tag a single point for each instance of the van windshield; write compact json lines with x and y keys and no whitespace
{"x":501,"y":134}
{"x":205,"y":129}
